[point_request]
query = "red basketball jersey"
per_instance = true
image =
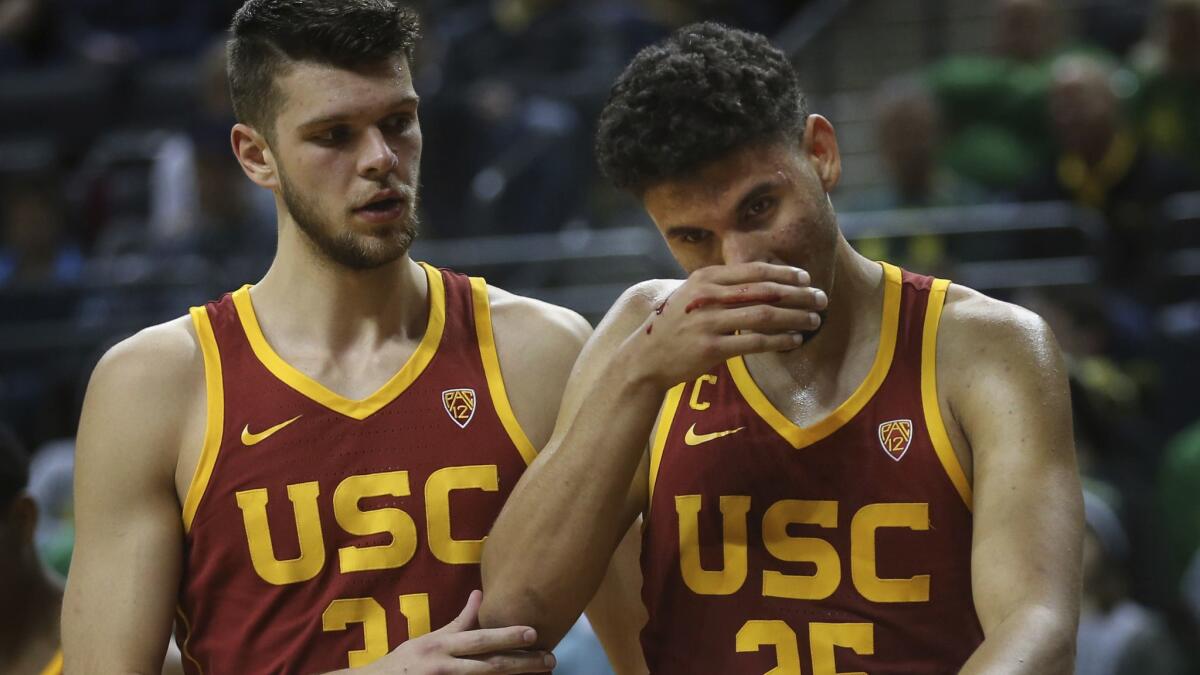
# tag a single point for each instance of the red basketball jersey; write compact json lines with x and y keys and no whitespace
{"x":321,"y":532}
{"x":840,"y":547}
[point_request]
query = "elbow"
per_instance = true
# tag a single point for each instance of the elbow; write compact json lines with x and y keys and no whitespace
{"x":511,"y":606}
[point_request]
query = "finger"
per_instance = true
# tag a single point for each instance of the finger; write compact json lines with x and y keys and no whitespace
{"x":766,"y":319}
{"x":756,"y":343}
{"x":468,"y":617}
{"x":742,"y":273}
{"x":488,"y":640}
{"x":511,"y":662}
{"x":768,"y":293}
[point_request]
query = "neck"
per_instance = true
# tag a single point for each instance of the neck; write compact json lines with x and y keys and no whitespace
{"x":304,"y":293}
{"x":854,"y":301}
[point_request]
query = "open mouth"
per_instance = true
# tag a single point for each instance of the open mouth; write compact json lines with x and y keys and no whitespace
{"x":383,"y":205}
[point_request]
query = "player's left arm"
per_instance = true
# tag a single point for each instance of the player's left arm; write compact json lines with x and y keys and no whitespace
{"x":1004,"y":387}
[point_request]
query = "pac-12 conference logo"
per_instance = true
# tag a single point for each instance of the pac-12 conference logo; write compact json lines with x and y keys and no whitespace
{"x":895,"y":436}
{"x":460,"y":405}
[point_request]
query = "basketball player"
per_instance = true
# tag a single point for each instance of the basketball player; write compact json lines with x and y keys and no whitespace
{"x":842,"y":466}
{"x":299,"y":475}
{"x":29,"y":625}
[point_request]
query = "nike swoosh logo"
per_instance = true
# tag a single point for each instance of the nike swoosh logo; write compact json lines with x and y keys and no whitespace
{"x":254,"y":439}
{"x":693,"y":438}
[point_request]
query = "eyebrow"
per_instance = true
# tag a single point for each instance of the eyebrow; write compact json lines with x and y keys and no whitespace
{"x":338,"y":118}
{"x":757,"y":191}
{"x":761,"y":188}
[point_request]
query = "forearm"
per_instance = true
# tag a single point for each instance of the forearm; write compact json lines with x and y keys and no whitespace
{"x":549,"y":549}
{"x":1036,"y":640}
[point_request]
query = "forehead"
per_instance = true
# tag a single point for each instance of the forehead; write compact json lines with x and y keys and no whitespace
{"x":719,"y":185}
{"x":313,"y":90}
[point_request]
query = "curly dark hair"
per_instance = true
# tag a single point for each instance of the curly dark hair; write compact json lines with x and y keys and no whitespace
{"x":692,"y":98}
{"x":268,"y":35}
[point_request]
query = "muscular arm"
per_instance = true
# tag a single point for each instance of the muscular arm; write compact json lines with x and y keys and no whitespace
{"x":1014,"y":410}
{"x":549,"y":549}
{"x":616,"y":612}
{"x":119,"y":605}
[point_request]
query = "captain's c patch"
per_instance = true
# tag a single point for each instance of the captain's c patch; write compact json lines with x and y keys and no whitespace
{"x":895,"y":437}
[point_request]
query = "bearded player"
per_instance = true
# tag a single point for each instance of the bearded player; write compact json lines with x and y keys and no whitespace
{"x":299,"y":475}
{"x":842,"y":466}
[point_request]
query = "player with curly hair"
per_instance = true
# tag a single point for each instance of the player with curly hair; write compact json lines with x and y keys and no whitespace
{"x":838,"y":465}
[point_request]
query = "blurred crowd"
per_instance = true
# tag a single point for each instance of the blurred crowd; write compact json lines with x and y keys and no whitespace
{"x":120,"y":205}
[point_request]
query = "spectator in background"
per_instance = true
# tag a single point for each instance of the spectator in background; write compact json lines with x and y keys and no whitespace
{"x":1117,"y":636}
{"x":993,"y":105}
{"x":28,"y":34}
{"x":29,"y":642}
{"x":1179,"y":483}
{"x":200,"y":201}
{"x":115,"y":33}
{"x":34,"y":246}
{"x":521,"y":83}
{"x":1167,"y":107}
{"x":908,"y":131}
{"x":1101,"y":165}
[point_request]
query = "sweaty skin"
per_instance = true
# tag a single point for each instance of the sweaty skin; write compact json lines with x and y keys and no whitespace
{"x":1001,"y":390}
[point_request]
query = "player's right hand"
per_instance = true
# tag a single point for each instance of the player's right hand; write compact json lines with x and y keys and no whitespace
{"x":723,"y":311}
{"x":461,"y":648}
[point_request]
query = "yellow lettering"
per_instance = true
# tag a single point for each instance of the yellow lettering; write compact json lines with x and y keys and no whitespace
{"x":825,"y":580}
{"x":822,"y":637}
{"x":341,"y":613}
{"x":695,"y":403}
{"x":415,"y":609}
{"x":756,"y":634}
{"x":376,"y":521}
{"x":914,"y":516}
{"x":732,"y":575}
{"x":437,"y":504}
{"x":303,"y":496}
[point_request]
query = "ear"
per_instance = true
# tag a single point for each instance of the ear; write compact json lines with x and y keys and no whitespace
{"x":254,"y":154}
{"x":821,"y":148}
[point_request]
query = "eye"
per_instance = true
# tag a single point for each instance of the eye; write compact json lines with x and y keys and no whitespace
{"x":397,"y":123}
{"x":760,"y":207}
{"x":691,"y":236}
{"x":332,"y":136}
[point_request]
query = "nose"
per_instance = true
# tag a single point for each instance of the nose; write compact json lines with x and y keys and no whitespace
{"x":742,"y":247}
{"x":378,"y":159}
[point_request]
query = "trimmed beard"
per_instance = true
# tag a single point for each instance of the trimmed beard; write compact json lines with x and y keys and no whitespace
{"x":346,"y":248}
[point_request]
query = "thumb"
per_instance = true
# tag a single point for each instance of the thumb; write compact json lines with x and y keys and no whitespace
{"x":468,"y":618}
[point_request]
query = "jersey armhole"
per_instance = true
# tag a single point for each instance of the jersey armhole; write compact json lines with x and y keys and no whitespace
{"x":491,"y":370}
{"x":662,"y":431}
{"x":929,"y":394}
{"x":214,"y":415}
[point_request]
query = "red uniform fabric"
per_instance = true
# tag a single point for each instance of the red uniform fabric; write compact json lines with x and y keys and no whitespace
{"x":843,"y":547}
{"x":374,"y":509}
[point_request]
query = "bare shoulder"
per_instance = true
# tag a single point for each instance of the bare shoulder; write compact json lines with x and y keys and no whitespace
{"x":977,"y":329}
{"x":635,"y":303}
{"x":553,"y":325}
{"x":167,"y":353}
{"x":142,"y":393}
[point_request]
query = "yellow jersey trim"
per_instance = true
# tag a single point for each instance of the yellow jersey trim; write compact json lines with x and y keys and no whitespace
{"x":491,"y":370}
{"x":184,"y":649}
{"x":929,"y":395}
{"x":55,"y":666}
{"x":356,"y":409}
{"x":214,"y":424}
{"x":799,"y":436}
{"x":666,"y":416}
